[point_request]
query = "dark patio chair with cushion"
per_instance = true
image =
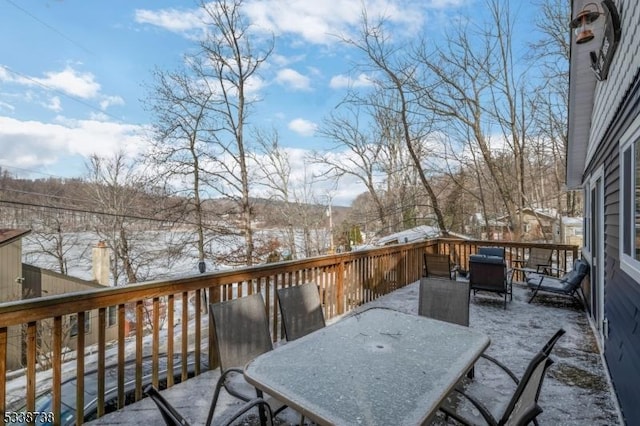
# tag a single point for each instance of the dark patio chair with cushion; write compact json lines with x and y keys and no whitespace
{"x":489,"y":273}
{"x":567,"y":285}
{"x":301,"y":310}
{"x":438,"y":265}
{"x":521,"y":408}
{"x":539,"y":261}
{"x":491,"y":251}
{"x":172,"y":417}
{"x":241,"y":330}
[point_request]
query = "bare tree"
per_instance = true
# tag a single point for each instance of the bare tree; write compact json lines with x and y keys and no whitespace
{"x":551,"y":53}
{"x":228,"y":63}
{"x":397,"y":82}
{"x":363,"y":159}
{"x":179,"y":152}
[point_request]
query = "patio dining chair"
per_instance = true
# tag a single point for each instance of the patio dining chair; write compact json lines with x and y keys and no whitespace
{"x":438,"y":265}
{"x":444,"y":300}
{"x":301,"y":310}
{"x":172,"y":417}
{"x":567,"y":285}
{"x":241,"y":331}
{"x":521,"y":408}
{"x":539,"y":261}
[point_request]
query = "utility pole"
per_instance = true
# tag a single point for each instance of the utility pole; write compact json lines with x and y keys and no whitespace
{"x":329,"y":213}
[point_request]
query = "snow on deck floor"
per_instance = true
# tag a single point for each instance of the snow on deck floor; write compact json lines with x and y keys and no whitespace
{"x":576,"y":390}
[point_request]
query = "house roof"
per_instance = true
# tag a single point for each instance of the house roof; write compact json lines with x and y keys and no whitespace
{"x":547,"y":213}
{"x":418,"y":233}
{"x":572,"y":221}
{"x":8,"y":236}
{"x":582,"y":85}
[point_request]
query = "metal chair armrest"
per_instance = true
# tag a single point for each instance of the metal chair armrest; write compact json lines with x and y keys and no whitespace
{"x":482,"y":409}
{"x":502,"y":367}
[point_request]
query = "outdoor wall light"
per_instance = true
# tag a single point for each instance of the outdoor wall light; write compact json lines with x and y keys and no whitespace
{"x":583,"y":23}
{"x":602,"y":57}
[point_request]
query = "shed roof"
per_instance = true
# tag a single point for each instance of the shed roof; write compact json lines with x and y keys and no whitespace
{"x":8,"y":236}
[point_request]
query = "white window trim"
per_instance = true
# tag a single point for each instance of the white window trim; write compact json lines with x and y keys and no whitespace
{"x":586,"y":222}
{"x":628,"y":264}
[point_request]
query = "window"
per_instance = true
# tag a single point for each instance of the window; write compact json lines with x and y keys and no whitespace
{"x":630,"y":202}
{"x":73,"y":324}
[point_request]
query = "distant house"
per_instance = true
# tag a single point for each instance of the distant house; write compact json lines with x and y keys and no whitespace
{"x":569,"y":231}
{"x":21,"y":281}
{"x":537,"y":224}
{"x":603,"y":160}
{"x":487,"y":229}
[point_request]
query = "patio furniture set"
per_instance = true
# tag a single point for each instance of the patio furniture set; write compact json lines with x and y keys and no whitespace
{"x":488,"y":271}
{"x":415,"y":365}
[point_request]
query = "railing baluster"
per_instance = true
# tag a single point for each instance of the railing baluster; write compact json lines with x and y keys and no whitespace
{"x":121,"y":354}
{"x":3,"y":369}
{"x":102,"y":346}
{"x":80,"y":364}
{"x":170,"y":337}
{"x":184,"y":336}
{"x":198,"y":332}
{"x":31,"y":365}
{"x":56,"y":376}
{"x":139,"y":348}
{"x":155,"y":341}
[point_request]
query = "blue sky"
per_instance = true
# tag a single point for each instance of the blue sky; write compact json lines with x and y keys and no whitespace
{"x":72,"y":72}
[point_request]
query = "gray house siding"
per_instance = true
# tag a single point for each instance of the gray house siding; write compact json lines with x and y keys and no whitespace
{"x":622,"y":293}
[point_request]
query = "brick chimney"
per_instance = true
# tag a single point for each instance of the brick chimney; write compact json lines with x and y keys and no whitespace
{"x":100,"y":257}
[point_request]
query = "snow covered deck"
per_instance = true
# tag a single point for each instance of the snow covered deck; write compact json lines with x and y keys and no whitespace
{"x":576,"y":390}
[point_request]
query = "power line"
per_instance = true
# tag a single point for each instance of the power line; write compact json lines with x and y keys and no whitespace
{"x":79,"y":210}
{"x":52,"y":28}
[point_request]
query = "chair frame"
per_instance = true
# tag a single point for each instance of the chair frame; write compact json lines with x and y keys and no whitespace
{"x":251,"y":311}
{"x":540,"y":360}
{"x":300,"y":310}
{"x":172,"y":417}
{"x":575,"y":291}
{"x":539,"y":261}
{"x":444,"y":300}
{"x":438,"y":265}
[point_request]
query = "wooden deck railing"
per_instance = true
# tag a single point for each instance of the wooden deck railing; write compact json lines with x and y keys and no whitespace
{"x":175,"y":312}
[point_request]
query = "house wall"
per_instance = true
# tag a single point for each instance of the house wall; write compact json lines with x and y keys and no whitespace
{"x":41,"y":282}
{"x":10,"y":269}
{"x":617,"y":104}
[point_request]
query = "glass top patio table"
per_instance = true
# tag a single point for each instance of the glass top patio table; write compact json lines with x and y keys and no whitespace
{"x":378,"y":367}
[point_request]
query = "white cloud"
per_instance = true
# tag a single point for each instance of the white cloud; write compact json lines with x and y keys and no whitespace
{"x":342,"y":81}
{"x":69,"y":81}
{"x":321,"y":22}
{"x":293,"y":79}
{"x":108,"y":101}
{"x":314,"y":22}
{"x":184,"y":21}
{"x":303,"y":127}
{"x":54,"y":104}
{"x":30,"y":144}
{"x":4,"y":105}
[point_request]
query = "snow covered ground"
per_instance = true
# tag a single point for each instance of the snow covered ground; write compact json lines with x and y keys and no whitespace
{"x":576,"y":390}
